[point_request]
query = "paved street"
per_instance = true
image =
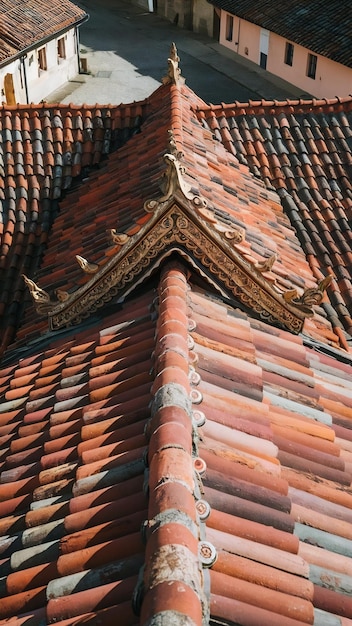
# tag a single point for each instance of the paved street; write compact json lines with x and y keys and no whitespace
{"x":126,"y":49}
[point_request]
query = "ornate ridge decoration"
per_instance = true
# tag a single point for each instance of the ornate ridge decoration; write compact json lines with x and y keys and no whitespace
{"x":266,"y":265}
{"x":181,"y":220}
{"x":42,"y":301}
{"x":118,"y":239}
{"x":86,"y":266}
{"x":173,"y":182}
{"x":179,"y":228}
{"x":174,"y":71}
{"x":310,"y":297}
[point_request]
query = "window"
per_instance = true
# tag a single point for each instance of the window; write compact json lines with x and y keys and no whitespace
{"x":312,"y":65}
{"x":42,"y":59}
{"x":61,"y":49}
{"x":229,"y":27}
{"x":289,"y":53}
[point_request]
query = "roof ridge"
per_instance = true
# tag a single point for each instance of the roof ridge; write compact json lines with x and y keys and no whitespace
{"x":9,"y":108}
{"x":176,"y":81}
{"x":274,"y":105}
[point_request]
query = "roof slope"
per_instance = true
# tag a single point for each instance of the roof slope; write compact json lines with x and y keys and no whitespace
{"x":24,"y":24}
{"x":161,"y":429}
{"x":302,"y":149}
{"x":322,"y":27}
{"x":72,"y":499}
{"x":45,"y":149}
{"x":261,"y":483}
{"x":278,"y":474}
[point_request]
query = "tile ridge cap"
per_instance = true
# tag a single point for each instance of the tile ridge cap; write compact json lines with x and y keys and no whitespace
{"x":259,"y":105}
{"x":173,"y":524}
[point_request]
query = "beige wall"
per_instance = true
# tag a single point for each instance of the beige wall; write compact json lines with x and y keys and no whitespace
{"x":203,"y":17}
{"x":245,"y":39}
{"x":332,"y":79}
{"x":178,"y":11}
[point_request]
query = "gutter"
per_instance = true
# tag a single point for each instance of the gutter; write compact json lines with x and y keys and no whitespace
{"x":22,"y":59}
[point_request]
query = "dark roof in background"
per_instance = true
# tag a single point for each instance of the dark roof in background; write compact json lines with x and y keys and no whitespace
{"x":323,"y":27}
{"x":23,"y":24}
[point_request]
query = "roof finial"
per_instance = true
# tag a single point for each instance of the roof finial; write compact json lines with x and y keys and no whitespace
{"x":40,"y":297}
{"x":174,"y":71}
{"x":310,"y":297}
{"x":86,"y":266}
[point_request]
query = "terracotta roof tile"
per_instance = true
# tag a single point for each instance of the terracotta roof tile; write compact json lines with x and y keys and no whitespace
{"x":310,"y":186}
{"x":27,"y":218}
{"x":311,"y":509}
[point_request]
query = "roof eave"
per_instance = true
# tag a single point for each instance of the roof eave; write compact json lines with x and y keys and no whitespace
{"x":41,"y":42}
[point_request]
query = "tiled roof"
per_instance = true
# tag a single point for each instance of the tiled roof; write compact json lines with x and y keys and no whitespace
{"x":170,"y":453}
{"x":114,"y":199}
{"x":97,"y":444}
{"x":44,"y":149}
{"x":25,"y":23}
{"x":276,"y":449}
{"x":323,"y":27}
{"x":302,"y":149}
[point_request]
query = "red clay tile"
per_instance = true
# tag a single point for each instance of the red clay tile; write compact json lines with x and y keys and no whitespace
{"x":262,"y":575}
{"x":288,"y":606}
{"x":176,"y":597}
{"x":22,"y":602}
{"x":253,"y":531}
{"x":75,"y":460}
{"x":246,"y":614}
{"x":90,"y":600}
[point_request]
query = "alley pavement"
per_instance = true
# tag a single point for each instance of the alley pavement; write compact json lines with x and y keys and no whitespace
{"x":125,"y":49}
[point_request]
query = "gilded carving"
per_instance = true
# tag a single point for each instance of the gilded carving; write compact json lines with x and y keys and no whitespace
{"x":173,"y":182}
{"x":266,"y":265}
{"x":179,"y":228}
{"x":86,"y":266}
{"x":61,"y":295}
{"x":119,"y":239}
{"x":41,"y":298}
{"x":310,"y":297}
{"x":231,"y":234}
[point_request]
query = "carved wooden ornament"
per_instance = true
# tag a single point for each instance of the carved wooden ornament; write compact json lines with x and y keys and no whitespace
{"x":182,"y":222}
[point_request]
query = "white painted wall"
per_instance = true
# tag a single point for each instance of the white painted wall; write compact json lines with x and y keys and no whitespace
{"x":40,"y":83}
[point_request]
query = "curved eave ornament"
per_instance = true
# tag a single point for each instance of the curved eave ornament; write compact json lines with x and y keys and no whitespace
{"x":180,"y":220}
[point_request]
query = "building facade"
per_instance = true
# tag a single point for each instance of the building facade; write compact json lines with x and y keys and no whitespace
{"x":292,"y":62}
{"x":306,"y":45}
{"x":43,"y":56}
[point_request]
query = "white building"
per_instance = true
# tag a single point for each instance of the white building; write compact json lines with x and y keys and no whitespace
{"x":39,"y":48}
